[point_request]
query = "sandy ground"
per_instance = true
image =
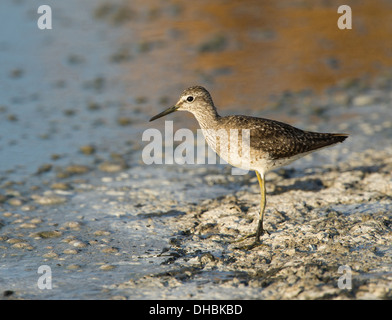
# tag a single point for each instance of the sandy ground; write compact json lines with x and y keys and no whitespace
{"x":75,"y":195}
{"x":164,"y":232}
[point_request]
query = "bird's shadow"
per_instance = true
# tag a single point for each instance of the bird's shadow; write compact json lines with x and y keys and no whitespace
{"x":311,"y":184}
{"x":316,"y":184}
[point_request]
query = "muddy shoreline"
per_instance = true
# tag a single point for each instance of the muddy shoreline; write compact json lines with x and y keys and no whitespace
{"x":127,"y":230}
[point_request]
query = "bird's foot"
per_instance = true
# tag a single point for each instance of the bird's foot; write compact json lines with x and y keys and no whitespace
{"x":251,"y":246}
{"x":255,"y":244}
{"x":244,"y":238}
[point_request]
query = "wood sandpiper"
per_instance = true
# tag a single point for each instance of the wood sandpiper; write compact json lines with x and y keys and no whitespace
{"x":271,"y":143}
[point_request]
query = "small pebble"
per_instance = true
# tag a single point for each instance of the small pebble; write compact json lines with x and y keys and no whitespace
{"x":109,"y":250}
{"x":15,"y":202}
{"x":124,"y":121}
{"x":107,"y":267}
{"x":69,"y":112}
{"x":72,"y":225}
{"x":363,"y":100}
{"x":77,"y":169}
{"x":3,"y":198}
{"x":60,"y":186}
{"x":36,"y":220}
{"x":87,"y":149}
{"x":73,"y":267}
{"x":7,"y":293}
{"x":55,"y":156}
{"x":15,"y":240}
{"x":51,"y":255}
{"x":12,"y":117}
{"x":28,"y":207}
{"x":44,"y":168}
{"x":111,"y":166}
{"x":70,"y":251}
{"x":28,"y":225}
{"x":49,"y":200}
{"x":47,"y":234}
{"x":22,"y":245}
{"x":93,"y":106}
{"x":101,"y":233}
{"x":77,"y":244}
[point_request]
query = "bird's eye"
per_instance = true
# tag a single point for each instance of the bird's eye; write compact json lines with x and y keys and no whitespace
{"x":189,"y":99}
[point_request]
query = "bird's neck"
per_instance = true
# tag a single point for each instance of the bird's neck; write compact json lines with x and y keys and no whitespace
{"x":207,"y":117}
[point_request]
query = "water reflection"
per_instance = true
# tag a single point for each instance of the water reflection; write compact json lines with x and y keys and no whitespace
{"x":250,"y":50}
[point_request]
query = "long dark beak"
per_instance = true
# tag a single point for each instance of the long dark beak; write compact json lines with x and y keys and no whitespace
{"x":164,"y":113}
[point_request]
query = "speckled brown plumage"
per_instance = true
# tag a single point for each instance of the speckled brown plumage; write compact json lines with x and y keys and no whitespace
{"x":270,"y":143}
{"x":278,"y":139}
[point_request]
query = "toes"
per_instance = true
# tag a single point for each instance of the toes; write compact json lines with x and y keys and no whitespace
{"x":244,"y":238}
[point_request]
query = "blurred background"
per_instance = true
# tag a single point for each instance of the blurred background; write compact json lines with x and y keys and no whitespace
{"x":106,"y":67}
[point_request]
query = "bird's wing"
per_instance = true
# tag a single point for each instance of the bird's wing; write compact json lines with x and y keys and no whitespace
{"x":278,"y":139}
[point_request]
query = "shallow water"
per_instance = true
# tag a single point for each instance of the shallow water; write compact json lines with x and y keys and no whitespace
{"x":52,"y":73}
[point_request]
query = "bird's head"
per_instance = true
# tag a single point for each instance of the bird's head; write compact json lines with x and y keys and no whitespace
{"x":194,"y":99}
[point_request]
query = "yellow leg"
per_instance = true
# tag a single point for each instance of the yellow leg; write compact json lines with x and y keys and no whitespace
{"x":259,"y":231}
